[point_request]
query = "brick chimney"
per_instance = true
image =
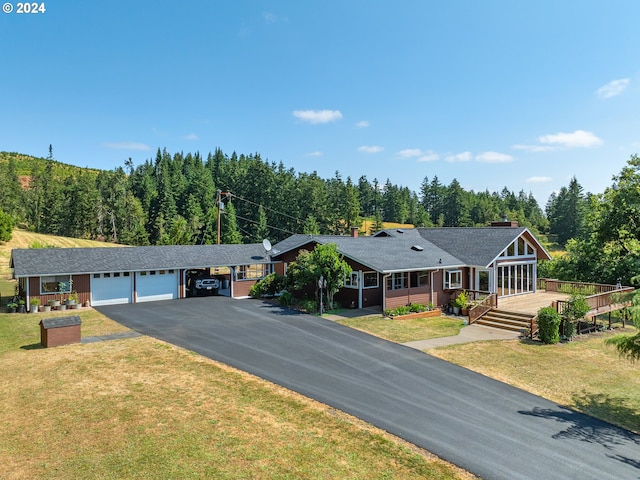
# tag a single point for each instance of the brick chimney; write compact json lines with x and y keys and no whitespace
{"x":504,"y":223}
{"x":354,"y":232}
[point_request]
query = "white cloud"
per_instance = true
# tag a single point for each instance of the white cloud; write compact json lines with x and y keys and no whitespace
{"x":127,"y":146}
{"x":191,"y":136}
{"x":362,"y":124}
{"x":494,"y":157}
{"x":270,"y":17}
{"x":317,"y":116}
{"x":539,"y":179}
{"x":429,"y":157}
{"x":614,"y":88}
{"x":533,"y":148}
{"x":579,"y":138}
{"x":459,"y":157}
{"x":370,"y":149}
{"x":410,"y":152}
{"x":317,"y":153}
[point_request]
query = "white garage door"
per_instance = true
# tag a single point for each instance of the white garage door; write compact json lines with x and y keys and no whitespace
{"x":111,"y":288}
{"x":156,"y":285}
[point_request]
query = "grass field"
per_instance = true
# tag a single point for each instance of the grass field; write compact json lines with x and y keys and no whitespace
{"x":140,"y":408}
{"x":406,"y":330}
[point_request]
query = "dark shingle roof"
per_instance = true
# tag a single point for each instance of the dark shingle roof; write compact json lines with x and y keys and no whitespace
{"x":477,"y":246}
{"x":421,"y":248}
{"x":383,"y":254}
{"x":51,"y":261}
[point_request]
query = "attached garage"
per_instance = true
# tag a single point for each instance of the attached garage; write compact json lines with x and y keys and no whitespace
{"x":111,"y":288}
{"x":109,"y":276}
{"x":152,"y":285}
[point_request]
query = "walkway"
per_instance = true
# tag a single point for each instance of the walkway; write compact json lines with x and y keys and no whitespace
{"x":468,"y":334}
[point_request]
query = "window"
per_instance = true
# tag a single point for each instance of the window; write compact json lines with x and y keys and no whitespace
{"x":452,"y":279}
{"x":55,"y":284}
{"x":252,"y":272}
{"x":96,"y":275}
{"x":397,"y":281}
{"x":420,"y":279}
{"x":143,"y":273}
{"x":370,"y":280}
{"x":116,"y":274}
{"x":107,"y":275}
{"x":161,"y":272}
{"x":351,"y":280}
{"x":126,"y":274}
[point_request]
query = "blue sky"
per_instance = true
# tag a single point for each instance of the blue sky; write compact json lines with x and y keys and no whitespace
{"x":520,"y":94}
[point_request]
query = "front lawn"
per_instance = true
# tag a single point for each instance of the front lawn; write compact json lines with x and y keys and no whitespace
{"x":406,"y":330}
{"x":141,"y":408}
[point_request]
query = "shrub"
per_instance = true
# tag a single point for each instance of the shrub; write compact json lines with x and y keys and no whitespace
{"x":269,"y":285}
{"x":309,"y":305}
{"x":285,"y":299}
{"x":417,"y":308}
{"x":577,"y":308}
{"x":405,"y":309}
{"x":549,"y":325}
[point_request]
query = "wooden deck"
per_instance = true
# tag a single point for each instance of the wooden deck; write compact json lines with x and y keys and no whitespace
{"x":530,"y":302}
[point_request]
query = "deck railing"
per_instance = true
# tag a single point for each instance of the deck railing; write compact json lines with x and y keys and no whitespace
{"x":604,"y":301}
{"x":582,"y":288}
{"x":482,"y":304}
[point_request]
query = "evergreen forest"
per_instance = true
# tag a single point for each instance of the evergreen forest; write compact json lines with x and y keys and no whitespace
{"x":174,"y":199}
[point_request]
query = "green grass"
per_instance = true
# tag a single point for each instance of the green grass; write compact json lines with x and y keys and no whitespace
{"x":141,"y":408}
{"x":406,"y":330}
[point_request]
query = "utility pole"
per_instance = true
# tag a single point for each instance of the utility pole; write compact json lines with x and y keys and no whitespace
{"x":219,"y":205}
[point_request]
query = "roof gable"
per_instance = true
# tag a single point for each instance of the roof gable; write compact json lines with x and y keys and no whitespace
{"x":479,"y":246}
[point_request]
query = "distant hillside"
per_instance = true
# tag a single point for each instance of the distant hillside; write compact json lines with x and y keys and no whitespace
{"x":26,"y":163}
{"x":25,"y":239}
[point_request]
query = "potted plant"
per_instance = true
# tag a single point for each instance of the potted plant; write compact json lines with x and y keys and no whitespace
{"x":12,"y":307}
{"x":34,"y":303}
{"x":45,"y":308}
{"x":54,"y":303}
{"x":460,"y":302}
{"x":21,"y":303}
{"x":72,"y":298}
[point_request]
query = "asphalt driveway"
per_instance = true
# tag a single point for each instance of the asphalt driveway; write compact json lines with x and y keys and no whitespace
{"x":484,"y":426}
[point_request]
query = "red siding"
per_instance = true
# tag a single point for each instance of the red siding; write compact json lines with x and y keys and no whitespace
{"x":241,"y":289}
{"x":81,"y":284}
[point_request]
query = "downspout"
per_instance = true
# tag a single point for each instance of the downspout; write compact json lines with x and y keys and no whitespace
{"x":384,"y":291}
{"x":26,"y":291}
{"x":360,"y":281}
{"x":432,"y":272}
{"x":231,"y":280}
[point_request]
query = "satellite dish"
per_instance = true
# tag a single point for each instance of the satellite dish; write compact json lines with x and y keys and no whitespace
{"x":266,"y":244}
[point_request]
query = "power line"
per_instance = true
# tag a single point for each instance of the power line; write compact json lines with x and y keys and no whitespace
{"x":269,"y":226}
{"x":267,"y":208}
